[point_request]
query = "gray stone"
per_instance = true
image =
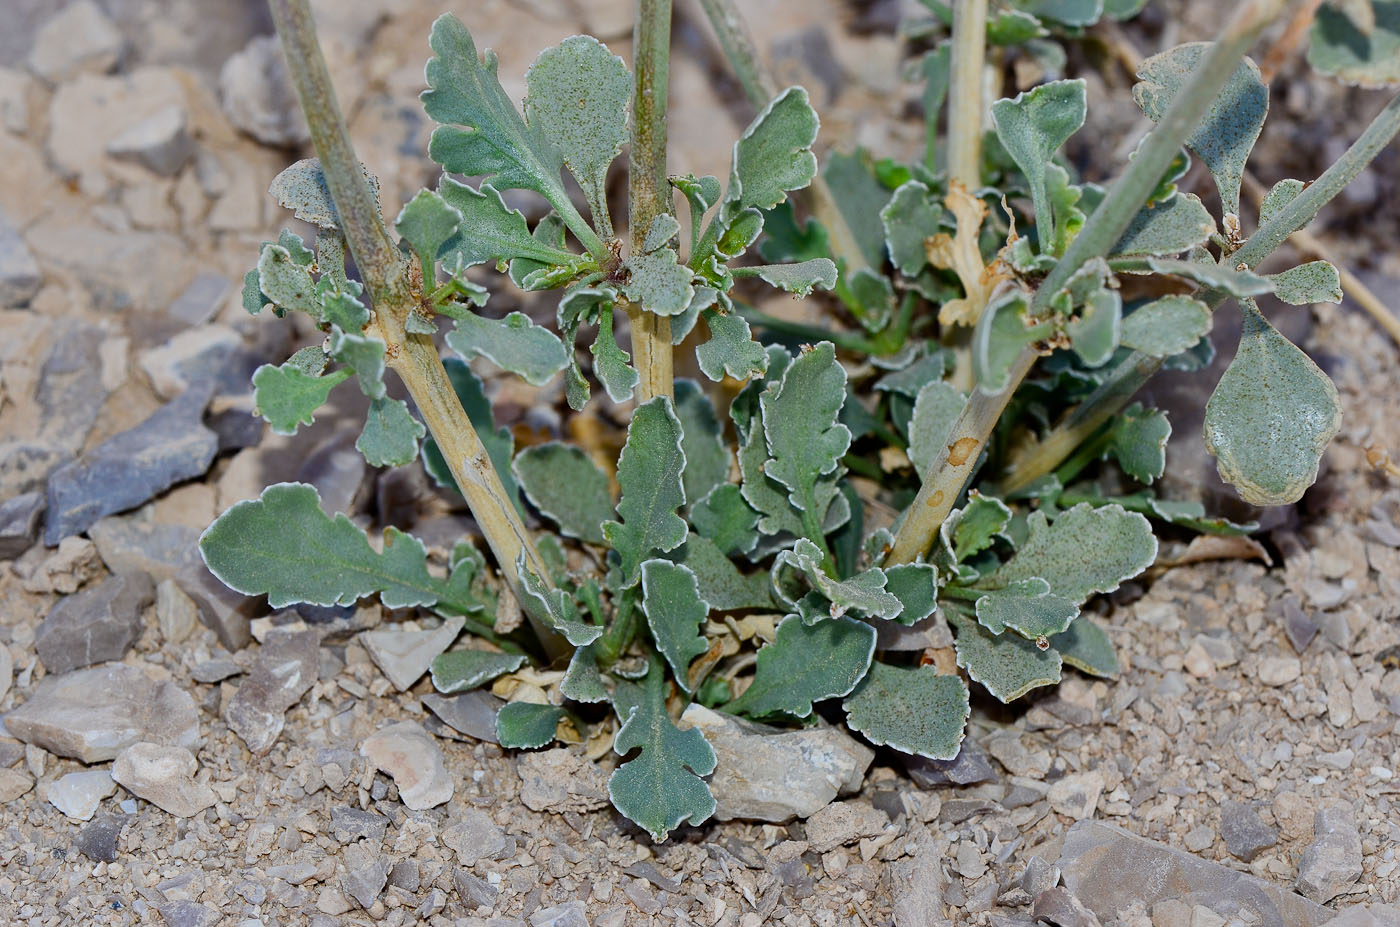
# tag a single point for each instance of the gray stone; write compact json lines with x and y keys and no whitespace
{"x":1039,"y":876}
{"x":137,"y":543}
{"x":258,"y":96}
{"x":1332,"y":862}
{"x":404,"y":656}
{"x":201,"y":300}
{"x":916,"y":888}
{"x":769,"y":774}
{"x":472,"y":713}
{"x":70,"y":394}
{"x":1244,"y":833}
{"x":473,"y":836}
{"x":13,"y":784}
{"x":844,"y":822}
{"x":236,"y":426}
{"x":212,"y":671}
{"x":413,"y":758}
{"x":1368,"y":915}
{"x":569,"y":914}
{"x":970,"y":767}
{"x":404,"y":875}
{"x":957,"y":810}
{"x":114,"y":266}
{"x":19,"y":523}
{"x":285,"y":669}
{"x":207,"y":353}
{"x":351,"y":824}
{"x":1057,"y":906}
{"x":164,"y":776}
{"x":98,"y":840}
{"x":559,"y":780}
{"x":93,"y":714}
{"x":189,"y":914}
{"x":80,"y":38}
{"x":130,"y":468}
{"x":78,"y":794}
{"x":366,"y":874}
{"x":161,"y":142}
{"x":97,"y":624}
{"x":474,"y":891}
{"x":19,"y":273}
{"x":1077,"y":795}
{"x":176,"y":613}
{"x":227,"y":613}
{"x":1297,"y":625}
{"x":1111,"y":870}
{"x":337,"y":469}
{"x":14,"y":98}
{"x":26,"y":465}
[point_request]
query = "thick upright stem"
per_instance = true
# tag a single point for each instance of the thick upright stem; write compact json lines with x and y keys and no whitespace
{"x":965,"y":110}
{"x":648,"y":189}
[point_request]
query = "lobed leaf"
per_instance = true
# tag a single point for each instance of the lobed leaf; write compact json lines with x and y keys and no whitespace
{"x":806,"y":664}
{"x":555,"y":607}
{"x":707,"y":457}
{"x":1032,"y":127}
{"x":1087,"y":648}
{"x":795,"y":278}
{"x":583,"y":682}
{"x":774,"y":155}
{"x":426,"y":222}
{"x":916,"y":587}
{"x":365,"y":355}
{"x":1166,"y":326}
{"x":910,"y":708}
{"x":658,"y":282}
{"x":567,"y":487}
{"x":611,"y":364}
{"x":491,"y":232}
{"x":1169,"y":227}
{"x":1026,"y":607}
{"x":1138,"y":441}
{"x":804,"y":440}
{"x":1084,"y":551}
{"x":1094,"y":333}
{"x":675,"y":613}
{"x":725,"y":518}
{"x":1007,"y":665}
{"x":911,"y":217}
{"x":863,"y":593}
{"x":287,"y":283}
{"x":1366,"y":54}
{"x":461,"y":670}
{"x":301,"y":187}
{"x":649,"y":472}
{"x":731,"y":350}
{"x":977,"y":525}
{"x":1001,"y":333}
{"x":514,"y":343}
{"x":1313,"y":282}
{"x":721,"y":584}
{"x":391,"y":434}
{"x":287,"y":397}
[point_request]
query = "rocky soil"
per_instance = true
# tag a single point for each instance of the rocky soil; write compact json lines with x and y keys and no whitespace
{"x":172,"y":751}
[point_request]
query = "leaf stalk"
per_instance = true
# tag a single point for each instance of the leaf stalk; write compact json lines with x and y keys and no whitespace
{"x":965,"y":109}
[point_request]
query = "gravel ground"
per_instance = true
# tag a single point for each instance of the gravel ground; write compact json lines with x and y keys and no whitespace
{"x":1252,"y":734}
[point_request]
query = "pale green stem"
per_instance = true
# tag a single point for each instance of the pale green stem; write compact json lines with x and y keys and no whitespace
{"x":965,"y":110}
{"x":948,"y":474}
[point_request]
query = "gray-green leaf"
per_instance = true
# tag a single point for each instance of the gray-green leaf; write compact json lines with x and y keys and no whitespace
{"x":1007,"y":665}
{"x":1138,"y":441}
{"x":795,"y":278}
{"x":302,"y":188}
{"x":1166,"y":326}
{"x":583,"y":682}
{"x":805,"y":664}
{"x":567,"y":487}
{"x":721,"y":584}
{"x":658,"y":283}
{"x":1032,"y":127}
{"x":675,"y":613}
{"x":863,"y":593}
{"x":774,"y":155}
{"x":286,"y":283}
{"x":287,"y":397}
{"x":363,"y":353}
{"x":391,"y":434}
{"x":1236,"y":283}
{"x":649,"y":472}
{"x":911,"y":217}
{"x":1086,"y":550}
{"x":1313,"y":282}
{"x":1177,"y":224}
{"x":490,"y":231}
{"x":1087,"y":648}
{"x":731,"y":349}
{"x":1366,"y":54}
{"x":460,"y":670}
{"x":514,"y":343}
{"x":426,"y":222}
{"x":910,"y":708}
{"x":805,"y":441}
{"x":1028,"y":608}
{"x":726,"y":519}
{"x":526,"y":725}
{"x":611,"y":364}
{"x":555,"y":607}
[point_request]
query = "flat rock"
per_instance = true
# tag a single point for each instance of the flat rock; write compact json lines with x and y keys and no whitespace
{"x":1279,"y":671}
{"x":19,"y":523}
{"x":227,"y":613}
{"x":185,"y":913}
{"x":98,"y":840}
{"x":844,"y":822}
{"x":970,"y":767}
{"x":412,"y":757}
{"x":351,"y":824}
{"x":1332,"y":862}
{"x":472,"y":713}
{"x":286,"y":668}
{"x":130,"y":468}
{"x":78,"y":794}
{"x":160,"y":143}
{"x":560,"y":780}
{"x":1077,"y":795}
{"x":366,"y":874}
{"x":404,"y":656}
{"x":474,"y":891}
{"x":19,"y":273}
{"x":80,"y":38}
{"x":769,"y":774}
{"x":138,"y":543}
{"x":258,"y":96}
{"x":13,"y":784}
{"x":69,"y":395}
{"x":1244,"y":832}
{"x":917,"y":885}
{"x":473,"y":836}
{"x":176,"y":613}
{"x":570,"y":914}
{"x":201,"y":300}
{"x":1368,"y":915}
{"x":1111,"y":870}
{"x":213,"y":353}
{"x":93,"y":714}
{"x":163,"y":776}
{"x":97,"y":624}
{"x":1057,"y":906}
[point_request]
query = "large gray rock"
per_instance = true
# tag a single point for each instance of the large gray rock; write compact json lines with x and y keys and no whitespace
{"x":472,"y":713}
{"x":137,"y":543}
{"x":93,"y":714}
{"x":413,"y":758}
{"x":19,"y":274}
{"x":769,"y":774}
{"x":286,"y":668}
{"x":258,"y":96}
{"x":130,"y":468}
{"x":70,"y":393}
{"x":164,"y":776}
{"x":94,"y":625}
{"x":1244,"y":832}
{"x":19,"y":523}
{"x":80,"y":38}
{"x":366,"y":874}
{"x":78,"y":794}
{"x":560,"y":780}
{"x":1111,"y":870}
{"x":201,"y":300}
{"x":969,"y":767}
{"x":1332,"y":862}
{"x":160,"y":143}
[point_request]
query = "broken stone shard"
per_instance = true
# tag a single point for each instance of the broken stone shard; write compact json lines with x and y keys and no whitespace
{"x":163,"y":776}
{"x":286,"y":668}
{"x":412,"y":757}
{"x":97,"y":624}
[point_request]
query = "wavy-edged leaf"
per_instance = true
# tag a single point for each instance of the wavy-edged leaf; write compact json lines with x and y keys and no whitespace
{"x":774,"y":155}
{"x":426,"y":222}
{"x":1278,"y":197}
{"x":1026,"y":607}
{"x":1227,"y":134}
{"x":567,"y":487}
{"x":1138,"y":441}
{"x":343,"y":308}
{"x":911,"y":217}
{"x":731,"y":350}
{"x":555,"y":607}
{"x":365,"y":355}
{"x":1172,"y":226}
{"x":1007,"y":665}
{"x":799,"y":279}
{"x":725,"y":518}
{"x":287,"y":283}
{"x":1032,"y":127}
{"x":1166,"y":326}
{"x":1271,"y":416}
{"x":1313,"y":282}
{"x":612,"y":365}
{"x":864,"y":593}
{"x":1094,"y":332}
{"x":649,"y":472}
{"x":977,"y":525}
{"x":391,"y":434}
{"x":1001,"y":333}
{"x":1066,"y":12}
{"x":1236,"y":283}
{"x":675,"y":613}
{"x":707,"y":456}
{"x":859,"y":197}
{"x":658,"y":282}
{"x":1084,"y":551}
{"x":287,"y":397}
{"x":460,"y":670}
{"x":526,"y":725}
{"x":660,"y":788}
{"x":804,"y":439}
{"x":916,"y":587}
{"x":491,"y":232}
{"x":721,"y":584}
{"x":514,"y":343}
{"x":806,"y":664}
{"x":910,"y":708}
{"x":301,"y":187}
{"x":583,"y":682}
{"x":1366,"y":54}
{"x":1087,"y":648}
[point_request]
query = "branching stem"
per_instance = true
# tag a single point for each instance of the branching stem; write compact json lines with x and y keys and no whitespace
{"x":965,"y":109}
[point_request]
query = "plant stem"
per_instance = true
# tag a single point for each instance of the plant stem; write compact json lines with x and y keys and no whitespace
{"x":396,"y":288}
{"x":965,"y":109}
{"x":647,"y":188}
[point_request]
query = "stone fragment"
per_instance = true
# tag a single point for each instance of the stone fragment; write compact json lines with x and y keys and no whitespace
{"x":1300,"y":628}
{"x":1332,"y":862}
{"x":19,"y":273}
{"x":1244,"y":833}
{"x":970,"y":767}
{"x":570,"y":914}
{"x":412,"y":757}
{"x":1058,"y":906}
{"x":1368,"y":915}
{"x":7,"y":674}
{"x":843,"y":823}
{"x":78,"y":794}
{"x":560,"y":780}
{"x":474,"y":891}
{"x":98,"y":840}
{"x":917,"y":886}
{"x":1077,"y":795}
{"x":1039,"y":876}
{"x":19,"y":523}
{"x":163,"y":776}
{"x":207,"y":353}
{"x":13,"y":784}
{"x":1279,"y":671}
{"x":185,"y":913}
{"x":404,"y":656}
{"x":366,"y":874}
{"x":176,"y":612}
{"x":137,"y":543}
{"x":405,"y":875}
{"x":67,"y":569}
{"x":80,"y":38}
{"x":130,"y":468}
{"x":472,"y":713}
{"x":1112,"y":871}
{"x":93,"y":714}
{"x":769,"y":774}
{"x":212,"y":671}
{"x":98,"y":624}
{"x":258,"y":97}
{"x":201,"y":300}
{"x":227,"y":613}
{"x":1010,"y":749}
{"x":69,"y":395}
{"x":285,"y":669}
{"x":473,"y":836}
{"x":14,"y":100}
{"x":160,"y":143}
{"x":351,"y":824}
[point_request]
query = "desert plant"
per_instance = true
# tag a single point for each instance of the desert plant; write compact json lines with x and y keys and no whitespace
{"x":762,"y":595}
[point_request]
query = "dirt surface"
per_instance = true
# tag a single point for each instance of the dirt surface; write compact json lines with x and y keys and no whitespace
{"x":1254,"y":694}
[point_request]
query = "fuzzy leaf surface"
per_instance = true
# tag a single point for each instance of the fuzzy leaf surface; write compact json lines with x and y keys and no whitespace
{"x":527,"y":726}
{"x":1000,"y":335}
{"x":805,"y":441}
{"x":1138,"y":441}
{"x":806,"y":664}
{"x":460,"y":670}
{"x":287,"y":283}
{"x":1364,"y":54}
{"x":1087,"y":648}
{"x":912,"y":709}
{"x":583,"y":682}
{"x":556,"y":607}
{"x":391,"y":434}
{"x":1166,"y":326}
{"x":799,"y":279}
{"x":1236,"y":283}
{"x":658,"y":282}
{"x":721,"y":584}
{"x":707,"y":456}
{"x":1086,"y":550}
{"x":1313,"y":282}
{"x":1026,"y":607}
{"x":910,"y":218}
{"x":490,"y":231}
{"x":774,"y":155}
{"x":649,"y":472}
{"x":426,"y":222}
{"x":726,"y":519}
{"x":365,"y":355}
{"x":675,"y":613}
{"x":978,"y":524}
{"x":287,"y":397}
{"x":567,"y":487}
{"x":1007,"y":665}
{"x":916,"y":587}
{"x":514,"y":343}
{"x":863,"y":593}
{"x":731,"y":350}
{"x":1160,"y":229}
{"x":1032,"y":127}
{"x":611,"y":364}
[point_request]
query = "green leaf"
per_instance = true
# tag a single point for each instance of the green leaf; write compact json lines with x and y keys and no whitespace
{"x":343,"y":309}
{"x":287,"y":284}
{"x":578,"y":94}
{"x":1166,"y":326}
{"x":675,"y":613}
{"x":1271,"y":416}
{"x":391,"y":435}
{"x":1236,"y":283}
{"x":743,"y":230}
{"x":1067,"y":12}
{"x":910,"y":708}
{"x":1086,"y":550}
{"x":302,"y":188}
{"x":873,"y":297}
{"x":977,"y":525}
{"x":658,"y":283}
{"x":1172,"y":226}
{"x":661,"y":787}
{"x":460,"y":670}
{"x":583,"y":682}
{"x":660,"y":233}
{"x":365,"y":355}
{"x":283,"y":546}
{"x":491,"y":232}
{"x":1094,"y":332}
{"x":287,"y":397}
{"x":774,"y":155}
{"x":1087,"y":648}
{"x":1001,"y":333}
{"x":910,"y":218}
{"x":1278,"y":197}
{"x":253,"y":297}
{"x":514,"y":343}
{"x":916,"y":587}
{"x":499,"y":442}
{"x":1028,"y":608}
{"x":805,"y":664}
{"x":721,"y":584}
{"x":1123,"y":9}
{"x":731,"y":349}
{"x":567,"y":487}
{"x":726,"y":519}
{"x":555,"y":607}
{"x":864,"y":593}
{"x":1013,"y":27}
{"x":1007,"y":665}
{"x":707,"y":457}
{"x":1231,"y":126}
{"x":1138,"y":441}
{"x":1366,"y":54}
{"x":794,"y":278}
{"x":860,"y":197}
{"x":611,"y":364}
{"x":426,"y":222}
{"x":912,"y":379}
{"x":526,"y":726}
{"x":1313,"y":282}
{"x":310,"y":360}
{"x":1032,"y":127}
{"x":649,"y":472}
